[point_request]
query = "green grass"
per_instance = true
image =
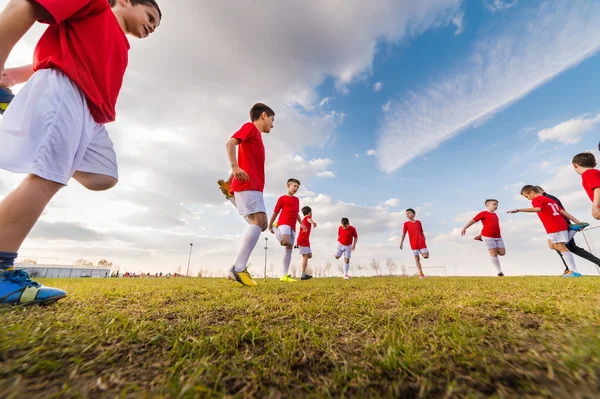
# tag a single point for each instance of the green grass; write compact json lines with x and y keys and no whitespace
{"x":375,"y":337}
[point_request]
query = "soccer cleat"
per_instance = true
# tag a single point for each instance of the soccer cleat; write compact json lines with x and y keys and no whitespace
{"x":569,"y":274}
{"x":306,"y":277}
{"x":577,"y":274}
{"x":500,"y":274}
{"x":287,"y":279}
{"x":6,"y":96}
{"x":578,"y":226}
{"x":225,"y":188}
{"x":478,"y":238}
{"x":346,"y":277}
{"x":421,"y":275}
{"x":16,"y":288}
{"x":243,"y":277}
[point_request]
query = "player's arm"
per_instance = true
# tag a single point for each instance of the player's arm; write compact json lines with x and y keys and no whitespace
{"x":236,"y":171}
{"x":272,"y":220}
{"x":402,"y":240}
{"x":569,"y":216}
{"x":596,"y":204}
{"x":529,"y":210}
{"x":355,"y":242}
{"x":464,"y":230}
{"x":14,"y":76}
{"x":302,"y":226}
{"x":15,"y":20}
{"x":314,"y":224}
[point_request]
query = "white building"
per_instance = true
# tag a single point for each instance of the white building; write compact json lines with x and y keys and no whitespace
{"x":62,"y":271}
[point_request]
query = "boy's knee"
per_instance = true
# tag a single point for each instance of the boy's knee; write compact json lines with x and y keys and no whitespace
{"x":425,"y":256}
{"x":263,"y":226}
{"x":309,"y":256}
{"x":337,"y":257}
{"x":99,"y":182}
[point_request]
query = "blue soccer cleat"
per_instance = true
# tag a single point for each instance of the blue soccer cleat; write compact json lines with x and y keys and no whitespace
{"x":578,"y":226}
{"x":6,"y":96}
{"x":16,"y":288}
{"x":576,"y":274}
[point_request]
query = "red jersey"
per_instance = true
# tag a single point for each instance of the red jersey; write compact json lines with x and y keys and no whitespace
{"x":591,"y":181}
{"x":289,"y":206}
{"x":86,"y":43}
{"x":550,"y":215}
{"x":303,"y":236}
{"x":251,"y":158}
{"x":415,"y":234}
{"x":491,"y":224}
{"x":345,"y":236}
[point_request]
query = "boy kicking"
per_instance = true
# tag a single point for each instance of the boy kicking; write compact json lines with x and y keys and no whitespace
{"x":347,"y":240}
{"x":585,"y":164}
{"x":247,"y":182}
{"x":303,"y":242}
{"x":417,"y":239}
{"x":54,"y":129}
{"x":285,"y":231}
{"x":551,"y":216}
{"x":490,"y":234}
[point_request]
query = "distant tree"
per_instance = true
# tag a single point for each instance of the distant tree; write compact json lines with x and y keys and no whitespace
{"x":178,"y":270}
{"x":203,"y":272}
{"x":293,"y":270}
{"x":29,"y":262}
{"x":376,"y":266}
{"x":310,"y":272}
{"x":404,"y":271}
{"x":35,"y":273}
{"x":327,"y":269}
{"x":340,"y":267}
{"x":391,"y":266}
{"x":360,"y":269}
{"x":83,"y":262}
{"x":104,"y":263}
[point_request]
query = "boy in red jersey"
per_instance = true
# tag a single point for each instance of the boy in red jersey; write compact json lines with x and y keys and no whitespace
{"x":303,"y":242}
{"x":551,"y":216}
{"x":347,"y":240}
{"x":417,"y":239}
{"x":247,"y":182}
{"x":285,"y":231}
{"x":490,"y":234}
{"x":585,"y":164}
{"x":54,"y":129}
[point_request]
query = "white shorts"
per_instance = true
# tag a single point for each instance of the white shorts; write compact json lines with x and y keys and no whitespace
{"x":250,"y":202}
{"x":304,"y":250}
{"x":493,"y":243}
{"x":345,"y":250}
{"x":48,"y":131}
{"x":416,"y":252}
{"x":561,"y":236}
{"x":285,"y":229}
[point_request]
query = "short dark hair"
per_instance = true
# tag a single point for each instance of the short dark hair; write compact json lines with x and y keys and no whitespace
{"x":143,"y":2}
{"x":257,"y":110}
{"x":345,"y":221}
{"x":585,"y":160}
{"x":411,"y":210}
{"x":306,"y":210}
{"x":529,"y":188}
{"x":292,"y":180}
{"x":490,"y":200}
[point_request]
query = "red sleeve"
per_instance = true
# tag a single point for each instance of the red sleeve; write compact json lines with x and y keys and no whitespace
{"x":278,"y":206}
{"x":354,"y":233}
{"x":62,"y":10}
{"x":478,"y":217}
{"x":245,"y":132}
{"x":592,"y":180}
{"x":405,"y":229}
{"x":537,"y":202}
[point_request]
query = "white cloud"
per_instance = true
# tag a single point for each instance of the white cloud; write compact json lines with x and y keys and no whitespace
{"x":458,"y":22}
{"x":391,"y":202}
{"x":499,"y":5}
{"x":514,"y":186}
{"x":325,"y":101}
{"x":504,"y":67}
{"x":371,"y":152}
{"x":327,"y":174}
{"x":378,"y":86}
{"x":386,"y":107}
{"x":356,"y":155}
{"x":569,"y":132}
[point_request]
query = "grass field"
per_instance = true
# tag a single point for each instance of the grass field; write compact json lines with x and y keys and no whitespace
{"x":370,"y":337}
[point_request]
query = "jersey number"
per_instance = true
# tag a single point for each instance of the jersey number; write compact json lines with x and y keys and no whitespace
{"x":555,"y":209}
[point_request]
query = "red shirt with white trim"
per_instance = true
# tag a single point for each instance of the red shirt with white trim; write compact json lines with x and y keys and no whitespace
{"x":304,"y":236}
{"x":491,"y":224}
{"x":591,"y":181}
{"x":346,"y":236}
{"x":289,"y":206}
{"x":416,"y":235}
{"x":251,"y":158}
{"x":85,"y":42}
{"x":550,"y":215}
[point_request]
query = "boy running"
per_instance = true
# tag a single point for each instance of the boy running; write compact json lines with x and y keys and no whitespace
{"x":551,"y":216}
{"x":303,"y":242}
{"x":247,"y":182}
{"x":585,"y":164}
{"x":54,"y":129}
{"x":285,"y":231}
{"x":347,"y":240}
{"x":414,"y":228}
{"x":490,"y":234}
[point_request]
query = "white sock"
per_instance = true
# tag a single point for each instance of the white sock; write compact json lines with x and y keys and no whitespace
{"x":496,"y":263}
{"x":248,"y":243}
{"x":568,"y":257}
{"x":287,"y":259}
{"x":347,"y":268}
{"x":278,"y":234}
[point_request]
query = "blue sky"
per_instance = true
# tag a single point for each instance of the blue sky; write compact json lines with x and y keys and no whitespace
{"x":435,"y":105}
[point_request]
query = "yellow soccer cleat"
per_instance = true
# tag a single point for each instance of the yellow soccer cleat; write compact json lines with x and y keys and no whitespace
{"x":225,"y":188}
{"x":287,"y":279}
{"x":243,"y":277}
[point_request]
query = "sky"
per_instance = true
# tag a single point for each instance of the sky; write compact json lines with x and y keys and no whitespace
{"x":435,"y":105}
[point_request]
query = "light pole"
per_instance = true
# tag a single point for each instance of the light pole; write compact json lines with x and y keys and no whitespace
{"x":266,"y":248}
{"x":189,"y":260}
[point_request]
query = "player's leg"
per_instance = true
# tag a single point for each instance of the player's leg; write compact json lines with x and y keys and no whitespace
{"x":495,"y":247}
{"x":287,"y":242}
{"x":582,"y":253}
{"x":558,"y":241}
{"x":418,"y":262}
{"x":306,"y":255}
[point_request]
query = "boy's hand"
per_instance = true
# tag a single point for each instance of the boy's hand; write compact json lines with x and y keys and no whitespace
{"x":314,"y":225}
{"x":353,"y":247}
{"x":401,"y":244}
{"x":463,"y":232}
{"x":303,"y":227}
{"x":271,"y":229}
{"x":7,"y":80}
{"x":596,"y":212}
{"x":513,"y":211}
{"x":240,"y":174}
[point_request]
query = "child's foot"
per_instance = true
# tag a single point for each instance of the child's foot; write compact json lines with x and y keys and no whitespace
{"x":578,"y":226}
{"x":305,"y":277}
{"x":478,"y":238}
{"x":16,"y":288}
{"x":242,"y":277}
{"x":500,"y":274}
{"x":225,"y":188}
{"x":421,"y":275}
{"x":346,"y":277}
{"x":287,"y":279}
{"x":568,"y":274}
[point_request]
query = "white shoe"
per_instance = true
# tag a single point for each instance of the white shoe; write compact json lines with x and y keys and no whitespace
{"x":346,"y":277}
